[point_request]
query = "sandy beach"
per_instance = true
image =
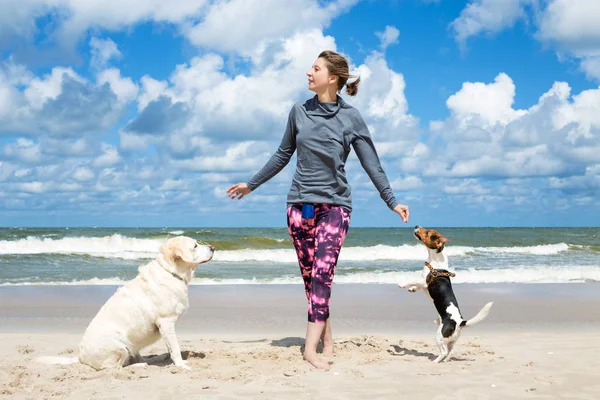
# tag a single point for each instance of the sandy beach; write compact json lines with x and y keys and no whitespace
{"x":245,"y":341}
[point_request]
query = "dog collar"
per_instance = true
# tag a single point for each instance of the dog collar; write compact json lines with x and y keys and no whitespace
{"x":434,"y":273}
{"x":175,"y":275}
{"x":172,"y":273}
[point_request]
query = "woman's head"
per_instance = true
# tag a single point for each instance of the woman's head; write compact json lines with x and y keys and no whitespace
{"x":330,"y":71}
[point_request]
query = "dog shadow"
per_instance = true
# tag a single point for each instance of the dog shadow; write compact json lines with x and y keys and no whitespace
{"x":190,"y":354}
{"x":404,"y":351}
{"x":165,"y":358}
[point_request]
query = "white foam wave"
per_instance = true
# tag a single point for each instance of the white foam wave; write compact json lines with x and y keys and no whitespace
{"x":371,"y":253}
{"x":120,"y":247}
{"x":383,"y":252}
{"x":542,"y":249}
{"x":506,"y":275}
{"x":89,"y":282}
{"x":115,"y":246}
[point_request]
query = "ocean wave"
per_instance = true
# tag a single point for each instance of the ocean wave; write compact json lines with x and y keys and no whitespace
{"x":542,"y":249}
{"x":114,"y":246}
{"x":501,"y":275}
{"x":87,"y":282}
{"x":383,"y":252}
{"x":122,"y":247}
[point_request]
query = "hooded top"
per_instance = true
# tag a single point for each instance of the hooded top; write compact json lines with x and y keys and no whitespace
{"x":323,"y":134}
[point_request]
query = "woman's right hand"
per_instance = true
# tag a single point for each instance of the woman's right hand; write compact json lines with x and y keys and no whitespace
{"x":239,"y":189}
{"x":402,"y":211}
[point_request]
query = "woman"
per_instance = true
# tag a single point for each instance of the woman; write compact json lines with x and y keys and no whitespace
{"x":322,"y":129}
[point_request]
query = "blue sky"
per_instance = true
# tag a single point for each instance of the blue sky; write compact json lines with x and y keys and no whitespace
{"x":128,"y":113}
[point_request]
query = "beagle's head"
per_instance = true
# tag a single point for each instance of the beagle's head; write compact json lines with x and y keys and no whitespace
{"x":431,"y":238}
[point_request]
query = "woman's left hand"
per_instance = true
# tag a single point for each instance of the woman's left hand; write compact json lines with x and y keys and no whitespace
{"x":402,"y":211}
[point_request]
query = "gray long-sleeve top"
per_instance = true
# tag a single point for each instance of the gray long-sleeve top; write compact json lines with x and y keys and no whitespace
{"x":323,"y":133}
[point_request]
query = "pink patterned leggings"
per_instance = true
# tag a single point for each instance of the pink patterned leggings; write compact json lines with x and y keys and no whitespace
{"x":318,"y":243}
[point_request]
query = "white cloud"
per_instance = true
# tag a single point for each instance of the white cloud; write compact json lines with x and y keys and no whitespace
{"x":132,"y":142}
{"x":33,"y":187}
{"x":61,"y":102}
{"x":258,"y":23}
{"x":406,"y":183}
{"x":41,"y":90}
{"x":388,"y":37}
{"x":18,"y":18}
{"x":571,"y":27}
{"x":108,"y":158}
{"x":102,"y":51}
{"x":568,"y":26}
{"x":206,"y":23}
{"x":76,"y":17}
{"x":486,"y":137}
{"x":239,"y":156}
{"x":492,"y":103}
{"x":572,"y":24}
{"x":124,"y":88}
{"x":9,"y":98}
{"x":173,"y":184}
{"x":488,"y":16}
{"x":6,"y":170}
{"x":466,"y":187}
{"x":22,"y":172}
{"x":215,"y":177}
{"x":83,"y":174}
{"x":151,"y":90}
{"x":23,"y":150}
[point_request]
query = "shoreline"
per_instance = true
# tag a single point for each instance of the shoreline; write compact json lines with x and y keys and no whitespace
{"x":246,"y":310}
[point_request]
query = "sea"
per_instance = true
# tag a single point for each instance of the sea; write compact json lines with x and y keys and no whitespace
{"x":245,"y":256}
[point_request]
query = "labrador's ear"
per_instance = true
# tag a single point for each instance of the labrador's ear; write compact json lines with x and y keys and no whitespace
{"x":178,"y":250}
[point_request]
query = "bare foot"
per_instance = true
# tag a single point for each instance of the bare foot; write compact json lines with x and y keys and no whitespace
{"x":315,"y":361}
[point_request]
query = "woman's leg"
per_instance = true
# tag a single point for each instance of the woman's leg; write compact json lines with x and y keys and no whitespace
{"x":332,"y":223}
{"x":327,"y":339}
{"x":303,"y":238}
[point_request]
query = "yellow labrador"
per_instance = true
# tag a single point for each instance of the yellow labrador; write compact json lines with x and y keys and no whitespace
{"x":143,"y":310}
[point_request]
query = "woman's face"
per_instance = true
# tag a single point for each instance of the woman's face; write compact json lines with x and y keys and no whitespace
{"x":318,"y":76}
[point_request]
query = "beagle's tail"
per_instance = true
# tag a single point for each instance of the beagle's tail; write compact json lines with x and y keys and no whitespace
{"x":56,"y":360}
{"x":479,"y":317}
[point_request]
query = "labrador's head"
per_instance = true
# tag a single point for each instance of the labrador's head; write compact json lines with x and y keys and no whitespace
{"x":187,"y":252}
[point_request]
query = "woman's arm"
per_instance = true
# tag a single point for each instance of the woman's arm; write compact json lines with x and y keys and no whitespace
{"x":275,"y":164}
{"x":367,"y":155}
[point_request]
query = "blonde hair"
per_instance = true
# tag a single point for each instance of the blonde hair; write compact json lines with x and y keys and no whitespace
{"x":338,"y":65}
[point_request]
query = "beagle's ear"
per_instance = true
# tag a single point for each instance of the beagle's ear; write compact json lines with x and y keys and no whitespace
{"x":441,"y":242}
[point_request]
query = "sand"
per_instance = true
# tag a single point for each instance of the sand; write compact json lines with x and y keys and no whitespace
{"x":539,"y":342}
